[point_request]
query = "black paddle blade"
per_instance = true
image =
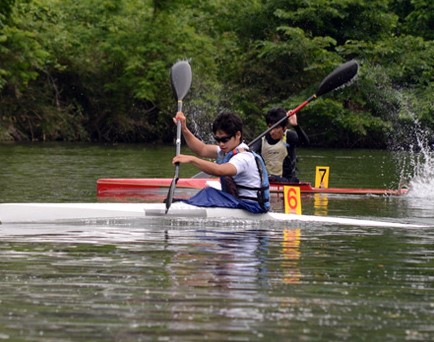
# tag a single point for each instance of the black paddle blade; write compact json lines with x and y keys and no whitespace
{"x":338,"y":77}
{"x":180,"y":76}
{"x":171,"y":193}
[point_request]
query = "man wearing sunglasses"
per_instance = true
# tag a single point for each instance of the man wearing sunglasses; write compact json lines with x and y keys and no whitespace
{"x":242,"y":173}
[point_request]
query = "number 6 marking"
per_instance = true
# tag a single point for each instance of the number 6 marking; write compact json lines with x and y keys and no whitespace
{"x":292,"y":200}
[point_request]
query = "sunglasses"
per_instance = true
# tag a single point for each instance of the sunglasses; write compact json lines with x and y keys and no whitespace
{"x":223,"y":139}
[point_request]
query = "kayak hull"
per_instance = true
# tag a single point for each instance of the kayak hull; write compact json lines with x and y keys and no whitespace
{"x":155,"y":189}
{"x":12,"y":213}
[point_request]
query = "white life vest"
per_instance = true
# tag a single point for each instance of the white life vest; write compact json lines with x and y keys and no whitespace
{"x":273,"y":156}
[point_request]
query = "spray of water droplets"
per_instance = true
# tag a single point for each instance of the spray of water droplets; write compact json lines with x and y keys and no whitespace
{"x":422,"y":182}
{"x":417,"y":162}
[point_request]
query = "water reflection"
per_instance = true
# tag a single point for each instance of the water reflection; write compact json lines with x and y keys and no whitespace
{"x":234,"y":267}
{"x":320,"y":204}
{"x":291,"y":255}
{"x":222,"y":259}
{"x":160,"y":279}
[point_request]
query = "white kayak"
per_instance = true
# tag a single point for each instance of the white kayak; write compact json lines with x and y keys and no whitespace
{"x":49,"y":212}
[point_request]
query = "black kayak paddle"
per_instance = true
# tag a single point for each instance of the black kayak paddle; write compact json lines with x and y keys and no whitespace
{"x":337,"y":78}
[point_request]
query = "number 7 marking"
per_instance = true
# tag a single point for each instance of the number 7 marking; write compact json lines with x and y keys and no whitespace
{"x":322,"y":177}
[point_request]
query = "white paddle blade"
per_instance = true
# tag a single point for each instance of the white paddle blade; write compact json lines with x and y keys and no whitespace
{"x":180,"y":76}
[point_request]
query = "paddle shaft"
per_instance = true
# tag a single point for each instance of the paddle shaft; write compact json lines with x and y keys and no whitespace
{"x":178,"y":152}
{"x":178,"y":138}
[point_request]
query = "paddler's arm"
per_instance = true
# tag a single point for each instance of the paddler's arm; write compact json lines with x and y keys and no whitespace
{"x":197,"y":146}
{"x":211,"y":168}
{"x":300,"y":138}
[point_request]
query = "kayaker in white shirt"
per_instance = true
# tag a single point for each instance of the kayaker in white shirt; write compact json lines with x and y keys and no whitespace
{"x":243,"y":175}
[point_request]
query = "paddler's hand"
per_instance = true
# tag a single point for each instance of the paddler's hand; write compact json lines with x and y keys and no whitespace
{"x":181,"y":117}
{"x":182,"y":159}
{"x":292,"y":118}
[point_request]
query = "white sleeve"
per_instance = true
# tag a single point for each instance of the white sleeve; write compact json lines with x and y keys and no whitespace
{"x":241,"y":161}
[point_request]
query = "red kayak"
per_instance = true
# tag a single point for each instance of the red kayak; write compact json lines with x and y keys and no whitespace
{"x":151,"y":189}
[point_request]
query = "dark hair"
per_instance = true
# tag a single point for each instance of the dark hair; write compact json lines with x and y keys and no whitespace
{"x":274,"y":115}
{"x":229,"y":123}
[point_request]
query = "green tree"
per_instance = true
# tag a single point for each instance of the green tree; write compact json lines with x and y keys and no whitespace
{"x":22,"y":58}
{"x":98,"y":70}
{"x":312,"y":37}
{"x":108,"y":68}
{"x":416,"y":17}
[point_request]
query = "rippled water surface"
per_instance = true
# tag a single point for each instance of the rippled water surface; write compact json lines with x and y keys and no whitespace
{"x":197,"y":279}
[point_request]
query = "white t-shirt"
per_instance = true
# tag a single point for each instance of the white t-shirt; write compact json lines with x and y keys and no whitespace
{"x":247,"y":171}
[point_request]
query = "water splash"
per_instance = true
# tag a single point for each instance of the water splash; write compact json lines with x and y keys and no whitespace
{"x":200,"y":124}
{"x":416,"y":164}
{"x":412,"y":145}
{"x":422,"y":182}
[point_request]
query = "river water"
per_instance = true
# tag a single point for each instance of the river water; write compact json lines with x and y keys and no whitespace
{"x":184,"y":280}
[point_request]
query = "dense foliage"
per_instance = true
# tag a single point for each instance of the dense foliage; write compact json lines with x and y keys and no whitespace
{"x":98,"y":70}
